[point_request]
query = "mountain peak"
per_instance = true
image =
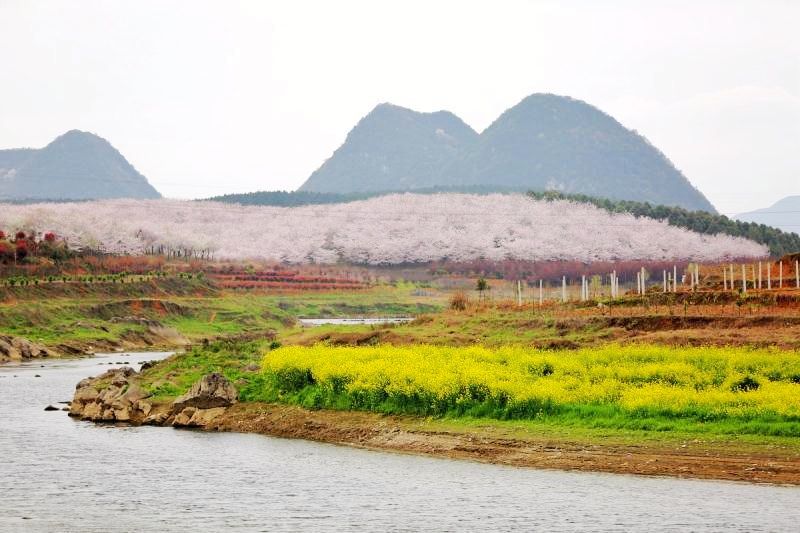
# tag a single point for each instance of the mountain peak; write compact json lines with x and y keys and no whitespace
{"x":393,"y":148}
{"x":546,"y":141}
{"x":77,"y":165}
{"x":783,"y":214}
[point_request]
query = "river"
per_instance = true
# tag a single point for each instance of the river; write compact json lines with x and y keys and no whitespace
{"x":59,"y":474}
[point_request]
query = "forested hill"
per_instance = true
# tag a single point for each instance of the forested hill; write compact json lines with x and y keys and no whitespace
{"x":779,"y":242}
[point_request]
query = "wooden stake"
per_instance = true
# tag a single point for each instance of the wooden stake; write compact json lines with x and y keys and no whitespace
{"x":541,"y":296}
{"x":780,"y":275}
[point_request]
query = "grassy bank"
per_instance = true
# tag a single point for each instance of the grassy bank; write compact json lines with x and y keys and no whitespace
{"x":394,"y":412}
{"x":191,"y":311}
{"x":635,"y":392}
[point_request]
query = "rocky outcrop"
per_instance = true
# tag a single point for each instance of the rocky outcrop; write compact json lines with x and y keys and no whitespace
{"x":204,"y":402}
{"x":213,"y":390}
{"x":18,"y":349}
{"x":111,"y":397}
{"x":117,"y":396}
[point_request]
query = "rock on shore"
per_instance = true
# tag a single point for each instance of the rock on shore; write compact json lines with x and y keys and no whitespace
{"x":117,"y":396}
{"x":18,"y":349}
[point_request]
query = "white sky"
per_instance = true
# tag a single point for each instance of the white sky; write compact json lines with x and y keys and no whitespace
{"x":212,"y":97}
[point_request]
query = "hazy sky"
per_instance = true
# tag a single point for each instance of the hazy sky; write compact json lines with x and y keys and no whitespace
{"x":212,"y":97}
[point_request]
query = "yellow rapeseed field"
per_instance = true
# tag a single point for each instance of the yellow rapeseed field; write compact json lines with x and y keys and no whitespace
{"x":707,"y":382}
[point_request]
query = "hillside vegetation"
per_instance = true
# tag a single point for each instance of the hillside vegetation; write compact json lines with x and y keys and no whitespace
{"x":298,"y":198}
{"x":780,"y":243}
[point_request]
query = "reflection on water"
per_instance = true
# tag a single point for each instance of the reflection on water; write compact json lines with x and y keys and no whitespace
{"x":354,"y":321}
{"x":58,"y":474}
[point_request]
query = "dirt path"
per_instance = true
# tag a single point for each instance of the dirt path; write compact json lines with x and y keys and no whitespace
{"x":493,"y":445}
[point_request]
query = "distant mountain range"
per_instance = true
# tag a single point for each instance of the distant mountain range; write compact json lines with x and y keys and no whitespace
{"x":546,"y":142}
{"x":75,"y":166}
{"x":783,"y":214}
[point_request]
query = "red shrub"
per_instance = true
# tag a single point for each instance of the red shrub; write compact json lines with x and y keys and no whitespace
{"x":22,"y":250}
{"x":6,"y":252}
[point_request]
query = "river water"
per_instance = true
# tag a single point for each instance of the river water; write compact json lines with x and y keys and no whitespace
{"x":354,"y":321}
{"x":58,"y":474}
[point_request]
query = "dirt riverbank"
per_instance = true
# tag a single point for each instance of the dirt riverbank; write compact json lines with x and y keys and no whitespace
{"x":119,"y":396}
{"x":498,"y":445}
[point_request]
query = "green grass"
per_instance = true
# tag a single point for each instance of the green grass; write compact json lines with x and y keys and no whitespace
{"x":99,"y":317}
{"x":237,"y":361}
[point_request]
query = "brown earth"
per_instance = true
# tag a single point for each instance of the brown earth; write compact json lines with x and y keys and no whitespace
{"x":493,"y":444}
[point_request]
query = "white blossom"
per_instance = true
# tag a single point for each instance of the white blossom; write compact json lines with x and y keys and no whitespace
{"x":393,"y":229}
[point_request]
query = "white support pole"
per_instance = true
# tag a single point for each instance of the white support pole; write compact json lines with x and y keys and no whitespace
{"x":769,"y":276}
{"x":563,"y":289}
{"x":744,"y":279}
{"x":541,"y":295}
{"x":519,"y":293}
{"x":731,"y":277}
{"x":615,"y":284}
{"x":665,"y":282}
{"x":724,"y":279}
{"x":759,"y":275}
{"x":674,"y":278}
{"x":753,"y":269}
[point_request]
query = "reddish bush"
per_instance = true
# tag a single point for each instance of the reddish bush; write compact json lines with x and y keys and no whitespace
{"x":6,"y":252}
{"x":2,"y":235}
{"x":22,"y":250}
{"x":50,"y":237}
{"x":20,"y":236}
